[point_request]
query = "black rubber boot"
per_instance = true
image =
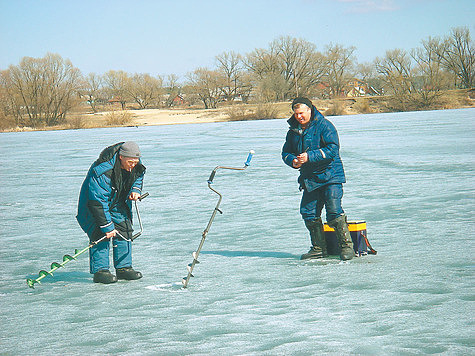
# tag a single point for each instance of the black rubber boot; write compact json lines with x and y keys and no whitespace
{"x":128,"y":273}
{"x":317,"y":237}
{"x":344,"y":238}
{"x":104,"y":276}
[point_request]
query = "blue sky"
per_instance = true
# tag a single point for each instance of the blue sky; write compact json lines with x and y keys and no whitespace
{"x":177,"y":36}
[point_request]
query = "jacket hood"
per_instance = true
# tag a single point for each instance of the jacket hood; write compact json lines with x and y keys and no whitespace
{"x":107,"y":159}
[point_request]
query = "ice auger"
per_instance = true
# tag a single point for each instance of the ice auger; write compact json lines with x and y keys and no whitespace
{"x":196,"y":253}
{"x":67,"y":258}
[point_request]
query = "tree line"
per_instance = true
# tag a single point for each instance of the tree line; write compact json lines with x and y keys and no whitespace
{"x":42,"y":91}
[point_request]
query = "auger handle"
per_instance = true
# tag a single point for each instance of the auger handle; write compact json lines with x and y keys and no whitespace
{"x":249,"y":157}
{"x":211,"y":177}
{"x":143,"y":196}
{"x":246,"y":164}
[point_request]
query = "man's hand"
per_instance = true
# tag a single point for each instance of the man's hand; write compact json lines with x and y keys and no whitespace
{"x":134,"y":196}
{"x":300,"y":160}
{"x":111,"y":234}
{"x":296,"y":163}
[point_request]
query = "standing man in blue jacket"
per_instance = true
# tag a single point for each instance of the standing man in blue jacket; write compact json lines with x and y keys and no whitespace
{"x":312,"y":146}
{"x":105,"y":209}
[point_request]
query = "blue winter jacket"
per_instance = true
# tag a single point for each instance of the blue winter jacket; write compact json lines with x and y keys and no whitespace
{"x":320,"y":141}
{"x":103,"y":199}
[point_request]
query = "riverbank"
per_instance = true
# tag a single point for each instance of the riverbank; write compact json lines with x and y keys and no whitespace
{"x":240,"y":112}
{"x":455,"y":99}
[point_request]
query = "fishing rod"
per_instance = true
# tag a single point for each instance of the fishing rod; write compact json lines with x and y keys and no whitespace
{"x":196,"y":253}
{"x":67,"y":258}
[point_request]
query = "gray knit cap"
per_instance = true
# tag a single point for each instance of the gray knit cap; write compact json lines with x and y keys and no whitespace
{"x":129,"y":149}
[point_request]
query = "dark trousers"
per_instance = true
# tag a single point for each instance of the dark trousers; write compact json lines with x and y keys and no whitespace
{"x":328,"y":196}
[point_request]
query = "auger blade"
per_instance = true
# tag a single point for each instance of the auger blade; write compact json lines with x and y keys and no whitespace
{"x":68,"y":258}
{"x":31,"y":282}
{"x":44,"y":273}
{"x":55,"y":265}
{"x":195,"y":256}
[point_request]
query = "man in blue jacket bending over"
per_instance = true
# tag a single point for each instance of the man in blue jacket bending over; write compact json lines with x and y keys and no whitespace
{"x":312,"y":146}
{"x":105,"y":209}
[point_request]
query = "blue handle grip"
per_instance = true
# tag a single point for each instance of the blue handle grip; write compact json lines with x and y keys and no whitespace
{"x":249,"y":157}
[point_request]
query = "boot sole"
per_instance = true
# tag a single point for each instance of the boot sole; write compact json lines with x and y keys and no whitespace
{"x":312,"y":257}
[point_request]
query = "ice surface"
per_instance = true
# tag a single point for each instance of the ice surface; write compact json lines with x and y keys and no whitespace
{"x":410,"y":176}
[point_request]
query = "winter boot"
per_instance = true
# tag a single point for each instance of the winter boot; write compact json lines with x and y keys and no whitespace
{"x":104,"y":276}
{"x":128,"y":273}
{"x":317,"y":237}
{"x":344,"y":238}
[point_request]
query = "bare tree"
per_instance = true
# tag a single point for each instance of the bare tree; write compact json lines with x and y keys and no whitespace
{"x":429,"y":77}
{"x":457,"y":53}
{"x":145,"y":90}
{"x":340,"y":63}
{"x":7,"y":116}
{"x":42,"y":90}
{"x":414,"y":80}
{"x":261,"y":61}
{"x":396,"y":68}
{"x":313,"y":75}
{"x":247,"y":86}
{"x":289,"y":67}
{"x":271,"y":87}
{"x":230,"y":68}
{"x":206,"y":85}
{"x":91,"y":89}
{"x":12,"y":99}
{"x":266,"y":70}
{"x":301,"y":66}
{"x":117,"y":84}
{"x":173,"y":88}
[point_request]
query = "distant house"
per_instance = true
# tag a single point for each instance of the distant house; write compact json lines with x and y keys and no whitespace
{"x":179,"y":100}
{"x":356,"y":91}
{"x":115,"y":100}
{"x":356,"y":87}
{"x":372,"y":91}
{"x":323,"y":89}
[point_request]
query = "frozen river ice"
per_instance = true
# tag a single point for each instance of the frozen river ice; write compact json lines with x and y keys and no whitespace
{"x":410,"y":176}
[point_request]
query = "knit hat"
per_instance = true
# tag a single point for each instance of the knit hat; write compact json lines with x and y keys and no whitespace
{"x":129,"y":149}
{"x":301,"y":100}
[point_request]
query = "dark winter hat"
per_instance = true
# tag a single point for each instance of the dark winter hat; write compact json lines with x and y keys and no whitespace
{"x":129,"y":149}
{"x":301,"y":100}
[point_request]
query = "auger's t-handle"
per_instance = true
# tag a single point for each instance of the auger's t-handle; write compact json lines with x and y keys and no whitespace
{"x":246,"y":164}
